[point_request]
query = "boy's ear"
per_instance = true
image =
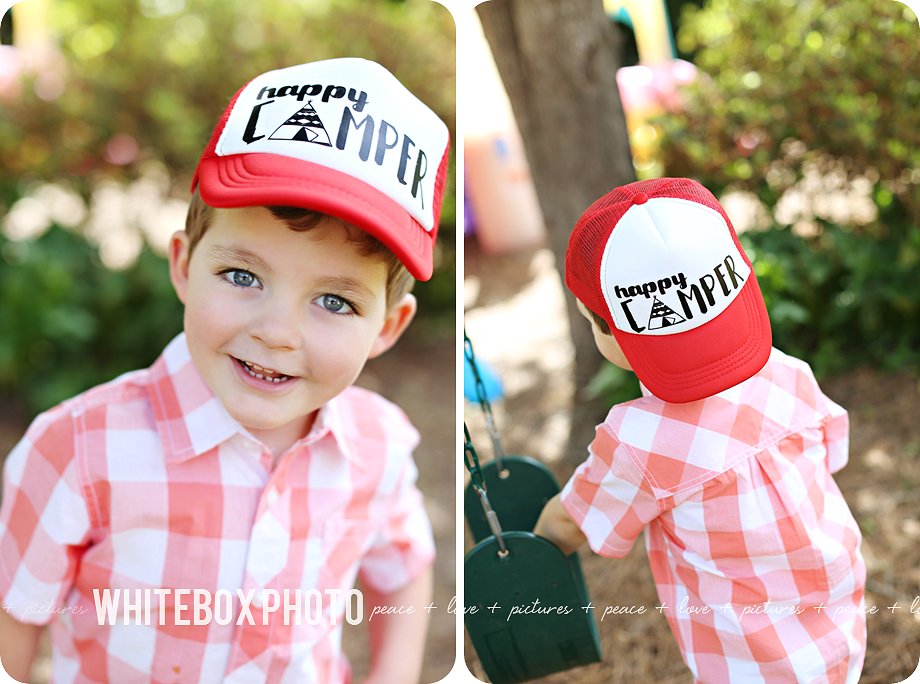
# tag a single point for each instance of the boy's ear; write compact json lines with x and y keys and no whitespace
{"x":178,"y":263}
{"x":395,"y":324}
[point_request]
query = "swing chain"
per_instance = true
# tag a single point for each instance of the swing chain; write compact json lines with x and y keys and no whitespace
{"x":472,"y":464}
{"x":492,"y":518}
{"x":472,"y":461}
{"x":481,"y":394}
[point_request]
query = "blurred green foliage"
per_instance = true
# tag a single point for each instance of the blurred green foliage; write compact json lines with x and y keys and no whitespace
{"x":69,"y":323}
{"x":161,"y":72}
{"x":814,"y":98}
{"x":840,"y":76}
{"x":828,"y":88}
{"x":846,"y":297}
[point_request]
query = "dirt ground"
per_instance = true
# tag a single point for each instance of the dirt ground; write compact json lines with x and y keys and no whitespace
{"x":515,"y":320}
{"x":421,"y":378}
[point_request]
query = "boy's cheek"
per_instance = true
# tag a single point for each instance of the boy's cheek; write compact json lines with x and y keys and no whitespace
{"x":340,"y":356}
{"x":211,"y":308}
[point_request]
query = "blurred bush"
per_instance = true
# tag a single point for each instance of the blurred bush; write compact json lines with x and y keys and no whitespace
{"x":846,"y":296}
{"x":809,"y":110}
{"x":102,"y":134}
{"x":162,"y":72}
{"x":69,"y":323}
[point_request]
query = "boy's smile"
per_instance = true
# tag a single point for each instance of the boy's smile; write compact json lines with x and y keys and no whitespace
{"x":279,"y":322}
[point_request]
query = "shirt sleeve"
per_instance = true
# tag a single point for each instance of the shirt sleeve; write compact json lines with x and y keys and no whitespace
{"x":837,"y":437}
{"x":44,"y":520}
{"x":608,"y":497}
{"x":404,"y":545}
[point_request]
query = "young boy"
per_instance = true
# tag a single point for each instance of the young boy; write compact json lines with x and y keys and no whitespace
{"x":225,"y":499}
{"x":727,"y":457}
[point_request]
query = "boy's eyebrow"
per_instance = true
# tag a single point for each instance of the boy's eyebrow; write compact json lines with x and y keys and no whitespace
{"x":348,"y":286}
{"x":352,"y":287}
{"x":241,"y":255}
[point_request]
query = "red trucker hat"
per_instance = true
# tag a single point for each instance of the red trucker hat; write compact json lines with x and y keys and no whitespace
{"x":343,"y":137}
{"x":660,"y":261}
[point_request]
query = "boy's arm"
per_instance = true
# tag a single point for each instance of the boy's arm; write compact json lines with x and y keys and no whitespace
{"x":557,"y":526}
{"x":18,"y":643}
{"x":398,"y":640}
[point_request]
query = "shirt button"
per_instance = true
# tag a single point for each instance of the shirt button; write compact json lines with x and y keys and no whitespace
{"x":272,"y":497}
{"x":257,"y":598}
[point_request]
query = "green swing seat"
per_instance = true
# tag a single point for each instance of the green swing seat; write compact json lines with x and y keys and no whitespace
{"x":525,"y":601}
{"x":517,"y":498}
{"x":557,"y":633}
{"x":517,"y":495}
{"x":526,"y":613}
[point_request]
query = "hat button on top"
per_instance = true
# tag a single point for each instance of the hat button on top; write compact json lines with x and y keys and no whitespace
{"x":640,"y":198}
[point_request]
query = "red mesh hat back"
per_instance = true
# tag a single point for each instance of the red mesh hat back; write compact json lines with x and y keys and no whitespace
{"x":660,"y":262}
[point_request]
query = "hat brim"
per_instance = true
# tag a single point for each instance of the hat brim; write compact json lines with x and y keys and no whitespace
{"x":699,"y":363}
{"x":244,"y":180}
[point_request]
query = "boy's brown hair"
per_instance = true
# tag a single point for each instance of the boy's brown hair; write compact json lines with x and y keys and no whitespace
{"x":600,"y":322}
{"x":399,"y":281}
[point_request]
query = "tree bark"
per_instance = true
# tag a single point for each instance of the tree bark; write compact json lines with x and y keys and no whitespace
{"x":558,"y":60}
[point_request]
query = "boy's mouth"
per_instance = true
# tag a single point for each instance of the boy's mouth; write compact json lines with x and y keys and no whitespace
{"x":262,"y":373}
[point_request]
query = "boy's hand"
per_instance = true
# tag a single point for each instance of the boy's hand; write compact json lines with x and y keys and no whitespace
{"x":398,"y":640}
{"x":18,"y":643}
{"x":557,"y":526}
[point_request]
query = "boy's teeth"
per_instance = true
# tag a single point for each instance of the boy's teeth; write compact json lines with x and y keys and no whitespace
{"x":251,"y":368}
{"x":259,"y":368}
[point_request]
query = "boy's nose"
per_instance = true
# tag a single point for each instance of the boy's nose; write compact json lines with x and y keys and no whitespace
{"x":278,"y":326}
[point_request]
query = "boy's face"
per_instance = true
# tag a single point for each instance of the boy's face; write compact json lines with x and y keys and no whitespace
{"x":304,"y":310}
{"x":606,"y":344}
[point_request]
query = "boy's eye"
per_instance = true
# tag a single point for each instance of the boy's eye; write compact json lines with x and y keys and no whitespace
{"x":241,"y":278}
{"x":334,"y":304}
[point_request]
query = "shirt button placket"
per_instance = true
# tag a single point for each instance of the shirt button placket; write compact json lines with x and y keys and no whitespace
{"x":269,"y":545}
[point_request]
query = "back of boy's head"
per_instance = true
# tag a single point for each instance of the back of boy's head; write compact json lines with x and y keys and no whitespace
{"x":659,"y":263}
{"x":340,"y":137}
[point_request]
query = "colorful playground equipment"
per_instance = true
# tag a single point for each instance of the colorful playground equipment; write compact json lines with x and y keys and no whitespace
{"x":649,"y":88}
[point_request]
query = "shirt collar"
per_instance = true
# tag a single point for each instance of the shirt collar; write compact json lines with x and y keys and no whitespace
{"x":332,"y":419}
{"x":191,"y":420}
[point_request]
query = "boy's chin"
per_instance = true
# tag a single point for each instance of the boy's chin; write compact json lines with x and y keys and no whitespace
{"x":259,"y":423}
{"x":262,"y":425}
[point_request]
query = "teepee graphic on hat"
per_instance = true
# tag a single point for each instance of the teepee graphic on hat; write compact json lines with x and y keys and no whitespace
{"x":663,"y":316}
{"x":304,"y":125}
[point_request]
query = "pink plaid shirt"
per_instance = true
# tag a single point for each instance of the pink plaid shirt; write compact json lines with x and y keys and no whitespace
{"x":753,"y":549}
{"x":147,"y":484}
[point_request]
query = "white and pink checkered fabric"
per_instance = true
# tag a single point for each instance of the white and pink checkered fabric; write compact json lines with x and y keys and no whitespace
{"x":148,"y":483}
{"x":754,"y":551}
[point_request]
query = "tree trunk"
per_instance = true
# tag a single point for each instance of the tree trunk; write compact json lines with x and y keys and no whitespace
{"x":558,"y":60}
